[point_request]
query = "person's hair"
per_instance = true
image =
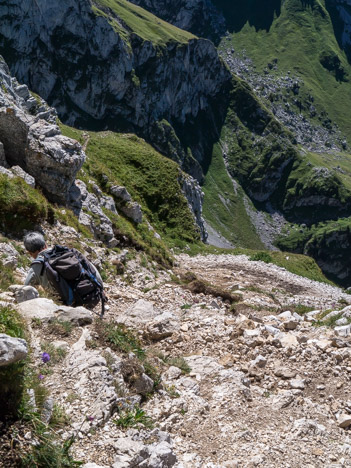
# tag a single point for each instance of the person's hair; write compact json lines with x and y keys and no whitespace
{"x":34,"y":241}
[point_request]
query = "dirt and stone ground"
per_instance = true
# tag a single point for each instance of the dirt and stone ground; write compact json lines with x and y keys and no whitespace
{"x":265,"y":386}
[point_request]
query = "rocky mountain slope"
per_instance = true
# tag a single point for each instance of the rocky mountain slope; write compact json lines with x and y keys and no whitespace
{"x":289,"y":186}
{"x":111,"y":65}
{"x":193,"y":381}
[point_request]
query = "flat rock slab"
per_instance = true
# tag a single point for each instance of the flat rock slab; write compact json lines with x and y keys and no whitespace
{"x":142,"y":312}
{"x":46,"y":310}
{"x":12,"y":349}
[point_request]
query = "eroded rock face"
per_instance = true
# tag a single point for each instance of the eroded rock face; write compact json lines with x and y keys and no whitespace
{"x":38,"y":152}
{"x":195,"y":196}
{"x":95,"y":77}
{"x":197,"y":16}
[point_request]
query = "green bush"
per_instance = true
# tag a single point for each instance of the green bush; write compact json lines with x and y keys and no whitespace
{"x":261,"y":256}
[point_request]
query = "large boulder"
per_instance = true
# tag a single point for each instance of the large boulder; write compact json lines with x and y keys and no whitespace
{"x":46,"y":310}
{"x":39,"y":149}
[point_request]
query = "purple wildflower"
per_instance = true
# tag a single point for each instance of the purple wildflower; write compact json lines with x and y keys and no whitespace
{"x":45,"y":357}
{"x":90,"y":418}
{"x":40,"y":376}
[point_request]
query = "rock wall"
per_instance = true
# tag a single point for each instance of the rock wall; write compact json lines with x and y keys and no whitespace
{"x":30,"y":144}
{"x":197,"y":16}
{"x":341,"y":9}
{"x":195,"y":196}
{"x":99,"y":76}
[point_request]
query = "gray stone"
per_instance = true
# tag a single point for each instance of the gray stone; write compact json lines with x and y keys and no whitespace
{"x":63,"y":345}
{"x":141,"y":312}
{"x":78,"y":315}
{"x":161,"y":454}
{"x":7,"y":296}
{"x":259,"y":361}
{"x":40,"y":308}
{"x":288,"y":340}
{"x":343,"y":331}
{"x":344,"y":420}
{"x":47,"y":410}
{"x":307,"y":427}
{"x":297,"y":384}
{"x":282,"y":400}
{"x":172,"y":373}
{"x":272,"y":330}
{"x":162,"y":326}
{"x":133,"y":211}
{"x":342,"y":321}
{"x":120,"y":192}
{"x":108,"y":203}
{"x":291,"y":324}
{"x":46,"y":310}
{"x":26,"y":293}
{"x":284,"y":373}
{"x":143,"y":385}
{"x":6,"y":172}
{"x":8,"y":255}
{"x":19,"y":172}
{"x":12,"y":349}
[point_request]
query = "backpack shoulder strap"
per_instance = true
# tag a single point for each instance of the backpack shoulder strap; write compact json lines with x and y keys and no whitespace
{"x":41,"y":259}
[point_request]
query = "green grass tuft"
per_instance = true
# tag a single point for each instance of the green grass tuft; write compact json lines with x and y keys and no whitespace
{"x":134,"y":418}
{"x":21,"y":206}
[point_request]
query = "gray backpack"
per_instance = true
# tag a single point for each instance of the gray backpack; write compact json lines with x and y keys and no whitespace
{"x":73,"y":277}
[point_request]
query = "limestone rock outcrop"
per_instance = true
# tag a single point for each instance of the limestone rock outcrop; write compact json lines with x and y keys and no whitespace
{"x":39,"y":153}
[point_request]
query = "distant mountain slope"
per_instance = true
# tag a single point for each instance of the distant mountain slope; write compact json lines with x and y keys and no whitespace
{"x":301,"y":39}
{"x":110,"y":64}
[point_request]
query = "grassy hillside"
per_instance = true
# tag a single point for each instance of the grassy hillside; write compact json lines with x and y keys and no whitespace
{"x":150,"y":178}
{"x":140,"y":22}
{"x":302,"y":40}
{"x":224,"y":208}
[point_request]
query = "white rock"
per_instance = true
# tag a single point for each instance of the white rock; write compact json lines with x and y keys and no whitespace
{"x":41,"y":308}
{"x":288,"y":340}
{"x":344,"y":420}
{"x":93,"y":465}
{"x":12,"y":349}
{"x":306,"y":427}
{"x":297,"y":384}
{"x":344,"y":330}
{"x":282,"y":400}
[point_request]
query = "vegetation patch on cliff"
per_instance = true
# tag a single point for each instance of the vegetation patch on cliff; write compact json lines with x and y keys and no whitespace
{"x":143,"y":23}
{"x":21,"y":206}
{"x":150,"y":178}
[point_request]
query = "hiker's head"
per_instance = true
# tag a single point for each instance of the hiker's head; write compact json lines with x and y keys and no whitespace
{"x":34,"y":243}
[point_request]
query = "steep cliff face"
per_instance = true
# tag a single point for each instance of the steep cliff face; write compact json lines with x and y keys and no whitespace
{"x":197,"y":16}
{"x":102,"y":67}
{"x":340,"y":11}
